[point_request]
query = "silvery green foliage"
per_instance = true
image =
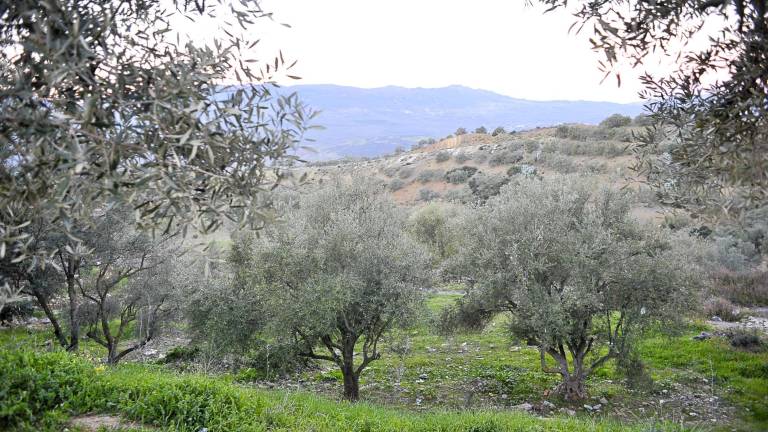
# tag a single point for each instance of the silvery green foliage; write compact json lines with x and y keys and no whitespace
{"x":101,"y":101}
{"x":710,"y":111}
{"x":577,"y":273}
{"x":341,"y":271}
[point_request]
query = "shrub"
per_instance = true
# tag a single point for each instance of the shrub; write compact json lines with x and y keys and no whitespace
{"x":427,"y":195}
{"x":405,"y":172}
{"x":17,"y":310}
{"x":615,"y":121}
{"x":460,"y":131}
{"x":480,"y":157}
{"x":428,"y":175}
{"x":396,"y":185}
{"x":524,"y":169}
{"x":498,"y":131}
{"x":484,"y":186}
{"x":461,"y":157}
{"x":181,"y":354}
{"x":720,"y":307}
{"x":460,"y":175}
{"x":747,"y":288}
{"x":642,"y":120}
{"x":390,"y":171}
{"x":461,"y":195}
{"x":442,"y":156}
{"x":745,"y":339}
{"x":481,"y":130}
{"x":505,"y":157}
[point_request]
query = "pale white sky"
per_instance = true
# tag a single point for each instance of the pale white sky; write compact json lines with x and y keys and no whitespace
{"x":497,"y":45}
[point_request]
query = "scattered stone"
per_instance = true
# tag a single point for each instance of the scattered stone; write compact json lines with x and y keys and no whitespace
{"x":604,"y":401}
{"x":431,"y":350}
{"x":515,"y":349}
{"x":524,"y":407}
{"x":548,"y":405}
{"x":588,"y":407}
{"x":597,"y":407}
{"x":703,"y":336}
{"x":716,"y":319}
{"x":423,"y":376}
{"x":504,"y":396}
{"x":419,"y":400}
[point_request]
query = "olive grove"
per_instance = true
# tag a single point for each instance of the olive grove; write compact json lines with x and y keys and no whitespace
{"x":579,"y":276}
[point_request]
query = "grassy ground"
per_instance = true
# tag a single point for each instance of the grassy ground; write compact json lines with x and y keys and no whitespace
{"x":463,"y":382}
{"x":704,"y":384}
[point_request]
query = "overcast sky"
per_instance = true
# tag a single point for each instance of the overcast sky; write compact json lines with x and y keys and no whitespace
{"x":497,"y":45}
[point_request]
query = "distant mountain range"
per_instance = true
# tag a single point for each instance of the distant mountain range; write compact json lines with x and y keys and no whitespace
{"x":372,"y":122}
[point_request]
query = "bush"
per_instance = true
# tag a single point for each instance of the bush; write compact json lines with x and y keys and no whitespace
{"x":427,"y":195}
{"x":720,"y":307}
{"x":746,"y":288}
{"x":270,"y":361}
{"x":428,"y":175}
{"x":442,"y":156}
{"x":642,"y":120}
{"x":17,"y":310}
{"x":745,"y":339}
{"x":181,"y":354}
{"x":480,"y":157}
{"x":461,"y":157}
{"x":524,"y":169}
{"x":405,"y":173}
{"x":481,"y":130}
{"x":460,"y":131}
{"x":461,"y":195}
{"x":396,"y":185}
{"x":460,"y":175}
{"x":390,"y":171}
{"x":484,"y":186}
{"x":505,"y":157}
{"x":615,"y":121}
{"x":498,"y":131}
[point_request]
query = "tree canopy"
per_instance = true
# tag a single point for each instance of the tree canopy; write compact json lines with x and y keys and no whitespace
{"x":711,"y":113}
{"x":575,"y":270}
{"x":104,"y":101}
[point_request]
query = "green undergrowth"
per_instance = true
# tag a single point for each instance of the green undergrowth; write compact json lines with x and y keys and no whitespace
{"x":40,"y":391}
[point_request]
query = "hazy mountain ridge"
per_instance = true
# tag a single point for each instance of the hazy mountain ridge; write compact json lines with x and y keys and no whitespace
{"x":371,"y":122}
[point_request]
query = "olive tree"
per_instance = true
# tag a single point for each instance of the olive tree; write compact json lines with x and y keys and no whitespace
{"x":710,"y":114}
{"x":580,"y":277}
{"x":127,"y":276}
{"x":339,"y":274}
{"x":107,"y":100}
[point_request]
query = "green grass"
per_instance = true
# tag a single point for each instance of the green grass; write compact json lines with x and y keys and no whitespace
{"x":39,"y":391}
{"x":471,"y":381}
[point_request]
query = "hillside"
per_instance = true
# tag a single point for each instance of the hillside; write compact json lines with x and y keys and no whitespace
{"x":372,"y":122}
{"x":472,"y":166}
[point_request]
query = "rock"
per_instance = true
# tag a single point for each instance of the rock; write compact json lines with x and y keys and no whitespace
{"x":604,"y":401}
{"x":548,"y":405}
{"x":504,"y":396}
{"x":515,"y":349}
{"x":524,"y":407}
{"x":716,"y":318}
{"x":568,"y":411}
{"x":597,"y":407}
{"x":702,"y":336}
{"x":423,"y":376}
{"x":588,"y":407}
{"x":431,"y":350}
